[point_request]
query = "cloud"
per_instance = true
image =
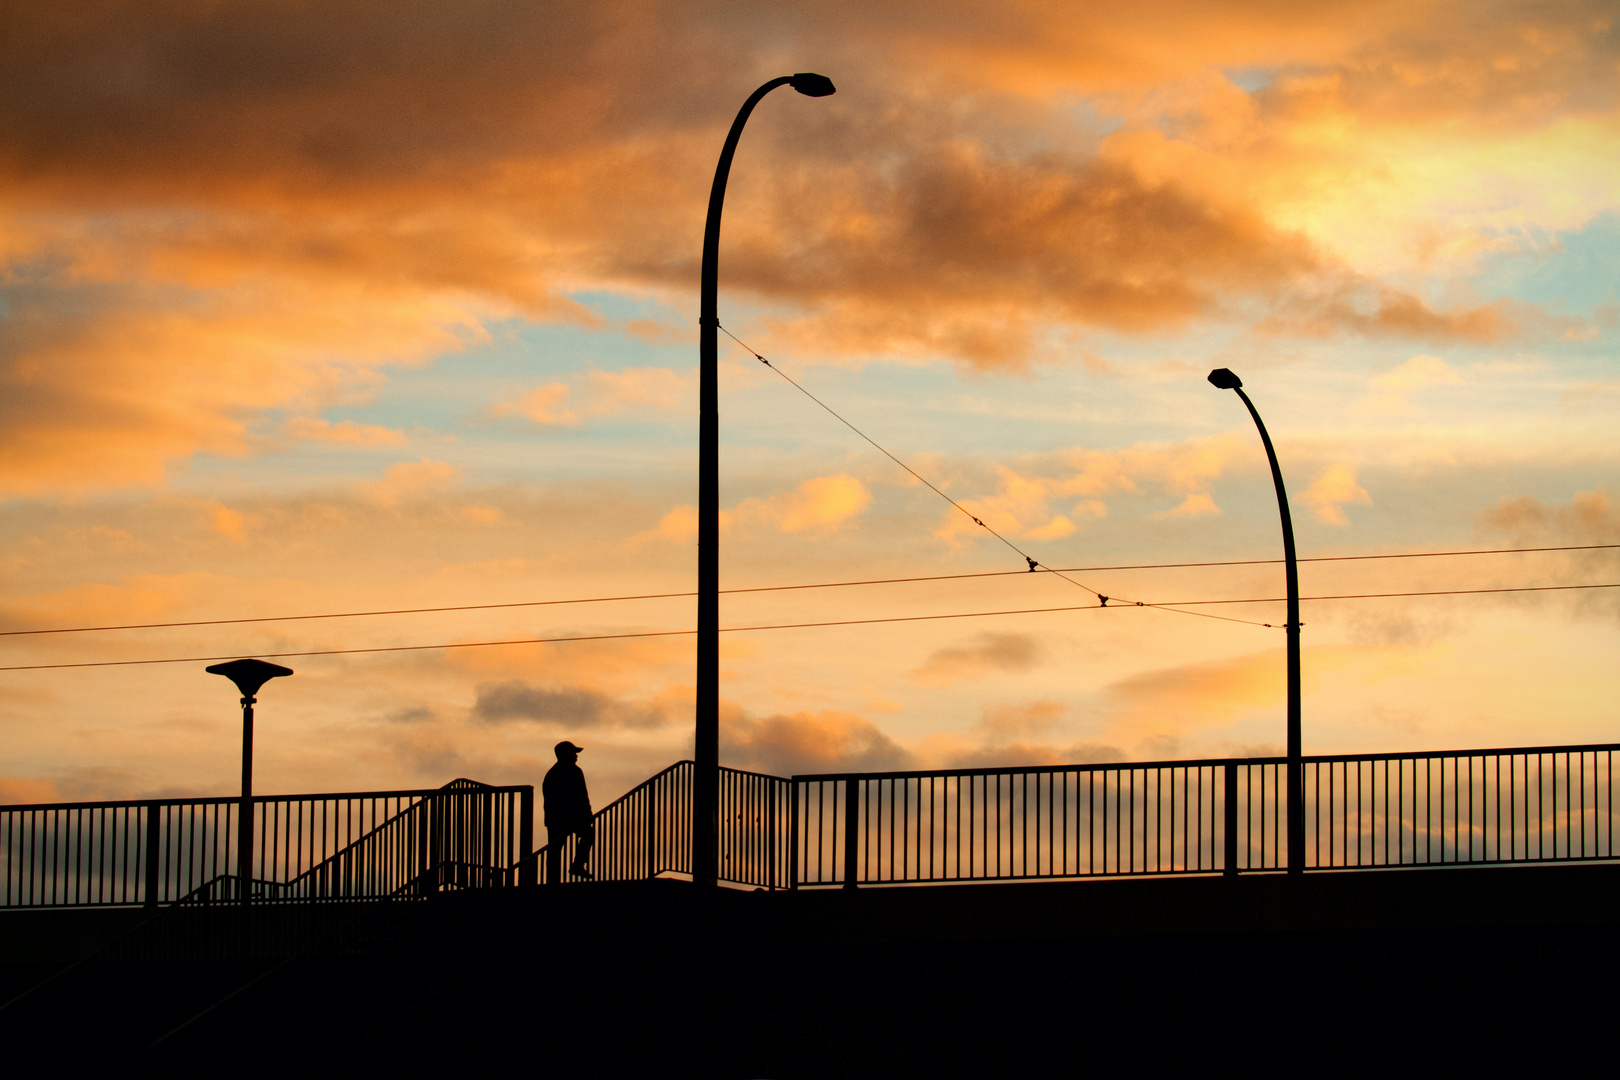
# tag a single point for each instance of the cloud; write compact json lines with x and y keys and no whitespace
{"x":1334,"y":487}
{"x":819,"y":506}
{"x":1022,"y":505}
{"x":986,"y":654}
{"x":1165,"y":703}
{"x":1007,"y":721}
{"x":1397,"y":628}
{"x":1198,"y":504}
{"x":1389,"y":393}
{"x":822,"y":505}
{"x":16,"y":790}
{"x":1056,"y":529}
{"x":140,"y":598}
{"x":785,"y":744}
{"x":678,"y":526}
{"x":344,"y":432}
{"x":542,"y":406}
{"x":410,"y":714}
{"x":411,"y":480}
{"x":227,"y":522}
{"x":211,"y":213}
{"x":104,"y":384}
{"x":1022,"y":753}
{"x":571,"y":706}
{"x":609,"y":393}
{"x":1590,"y":518}
{"x":1168,"y":700}
{"x":635,"y":390}
{"x":1009,"y":734}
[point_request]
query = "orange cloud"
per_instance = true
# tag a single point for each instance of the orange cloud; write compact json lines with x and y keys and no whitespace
{"x":828,"y":741}
{"x":111,"y":397}
{"x":189,"y":244}
{"x":1198,"y":695}
{"x":27,"y":789}
{"x":606,"y":393}
{"x":345,"y":432}
{"x":985,"y":655}
{"x":411,"y":480}
{"x":542,"y":405}
{"x":1182,"y":469}
{"x":824,"y":504}
{"x":1331,"y":491}
{"x":1388,"y":393}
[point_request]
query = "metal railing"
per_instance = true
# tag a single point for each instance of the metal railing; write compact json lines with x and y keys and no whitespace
{"x":648,"y":831}
{"x":1009,"y":824}
{"x":1514,"y":805}
{"x":355,"y":845}
{"x":1463,"y":807}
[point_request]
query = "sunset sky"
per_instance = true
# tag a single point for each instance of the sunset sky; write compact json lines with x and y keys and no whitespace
{"x":344,"y":306}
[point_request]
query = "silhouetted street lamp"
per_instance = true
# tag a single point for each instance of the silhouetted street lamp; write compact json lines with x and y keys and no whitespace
{"x":248,"y":675}
{"x":1224,"y":379}
{"x":706,"y":748}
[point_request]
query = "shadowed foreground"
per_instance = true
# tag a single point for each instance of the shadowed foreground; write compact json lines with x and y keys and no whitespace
{"x":970,"y":979}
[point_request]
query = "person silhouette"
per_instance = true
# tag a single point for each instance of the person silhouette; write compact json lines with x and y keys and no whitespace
{"x":568,"y":812}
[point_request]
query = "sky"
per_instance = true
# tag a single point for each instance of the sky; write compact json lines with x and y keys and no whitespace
{"x":340,"y":307}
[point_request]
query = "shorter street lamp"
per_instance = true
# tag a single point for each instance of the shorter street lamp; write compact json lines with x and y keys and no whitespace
{"x":1225,"y":379}
{"x":248,"y":675}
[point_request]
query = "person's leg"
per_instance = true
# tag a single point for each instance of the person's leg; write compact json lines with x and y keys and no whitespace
{"x":554,"y":846}
{"x":587,"y":840}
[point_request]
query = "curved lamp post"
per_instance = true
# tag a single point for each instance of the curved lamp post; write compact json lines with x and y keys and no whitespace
{"x":1224,"y":379}
{"x":706,"y":749}
{"x":248,"y":675}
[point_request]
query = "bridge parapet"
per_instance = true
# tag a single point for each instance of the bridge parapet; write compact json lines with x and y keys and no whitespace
{"x":1515,"y":805}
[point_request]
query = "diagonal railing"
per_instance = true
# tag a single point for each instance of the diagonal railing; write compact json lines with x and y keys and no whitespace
{"x":357,"y":845}
{"x":648,"y":831}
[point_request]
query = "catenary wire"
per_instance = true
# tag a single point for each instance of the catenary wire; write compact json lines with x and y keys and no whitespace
{"x":1034,"y":563}
{"x":786,"y":626}
{"x":788,"y":588}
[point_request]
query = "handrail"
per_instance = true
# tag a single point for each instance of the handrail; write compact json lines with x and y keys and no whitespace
{"x":215,"y":800}
{"x":1205,"y":762}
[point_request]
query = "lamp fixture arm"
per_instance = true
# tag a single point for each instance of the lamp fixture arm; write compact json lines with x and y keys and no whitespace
{"x":708,"y":312}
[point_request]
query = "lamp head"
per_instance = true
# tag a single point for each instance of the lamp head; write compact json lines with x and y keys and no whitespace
{"x":812,"y":85}
{"x":249,"y":675}
{"x":1223,"y":379}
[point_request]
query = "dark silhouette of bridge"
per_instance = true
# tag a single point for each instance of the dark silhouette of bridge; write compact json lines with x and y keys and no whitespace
{"x":878,"y":922}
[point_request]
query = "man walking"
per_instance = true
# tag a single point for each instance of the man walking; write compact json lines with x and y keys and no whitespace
{"x":568,"y":811}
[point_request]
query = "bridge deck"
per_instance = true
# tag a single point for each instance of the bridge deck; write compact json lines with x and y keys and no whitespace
{"x":618,"y":978}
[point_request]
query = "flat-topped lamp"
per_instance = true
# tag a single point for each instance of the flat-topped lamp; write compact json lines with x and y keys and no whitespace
{"x":248,"y":675}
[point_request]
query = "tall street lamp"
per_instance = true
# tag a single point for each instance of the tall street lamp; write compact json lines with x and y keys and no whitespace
{"x":706,"y":749}
{"x":248,"y":675}
{"x":1224,"y":379}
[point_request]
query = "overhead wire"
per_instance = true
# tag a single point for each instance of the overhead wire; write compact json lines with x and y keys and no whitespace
{"x":1034,"y":564}
{"x":789,"y":588}
{"x":783,"y":626}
